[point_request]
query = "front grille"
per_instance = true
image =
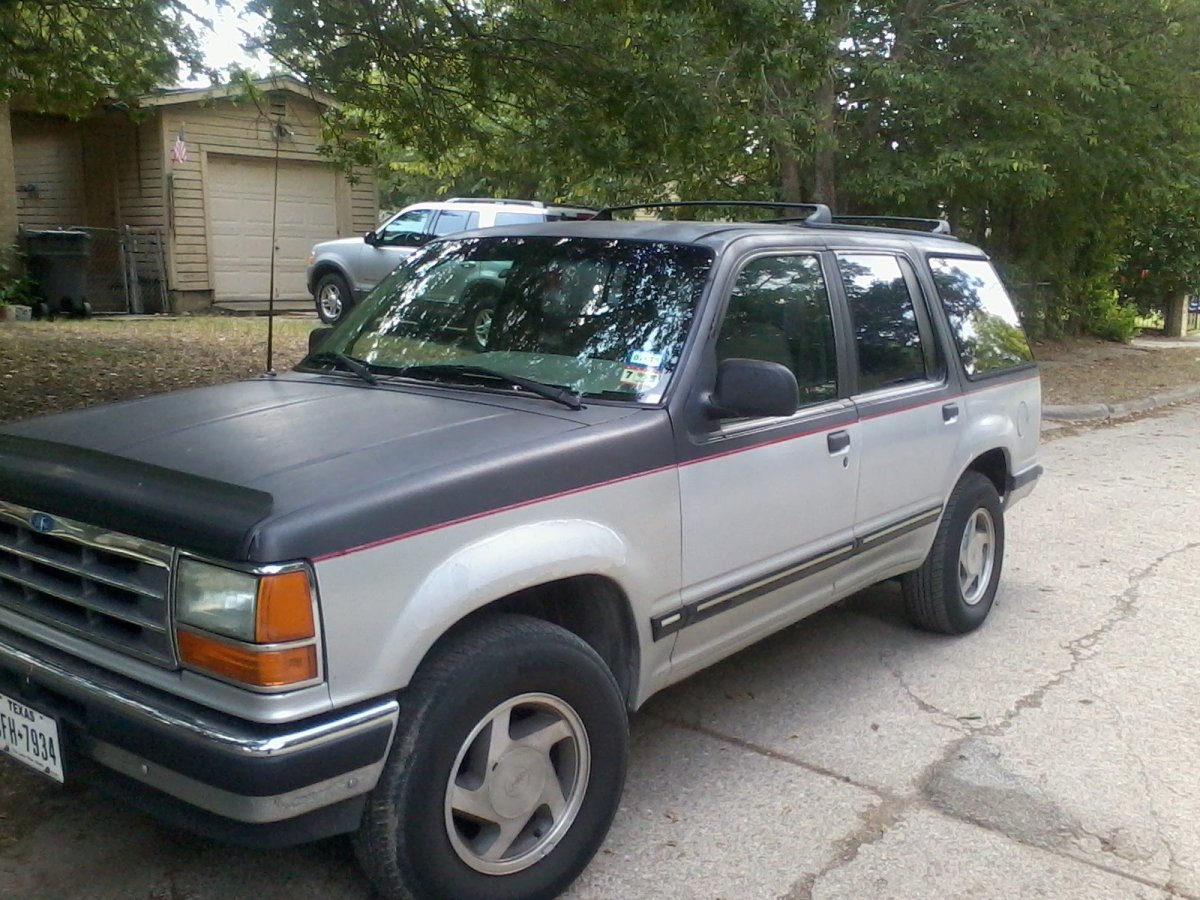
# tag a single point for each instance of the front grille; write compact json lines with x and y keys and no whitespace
{"x":108,"y":588}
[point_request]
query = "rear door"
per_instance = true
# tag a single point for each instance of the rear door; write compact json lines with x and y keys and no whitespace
{"x":908,"y":411}
{"x":767,"y":504}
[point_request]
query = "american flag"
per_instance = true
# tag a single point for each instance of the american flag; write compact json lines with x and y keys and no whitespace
{"x":179,"y":151}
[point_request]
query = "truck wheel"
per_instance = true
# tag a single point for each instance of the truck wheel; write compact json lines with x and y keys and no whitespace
{"x":478,"y":321}
{"x":953,"y":590}
{"x":505,"y":772}
{"x":333,"y":298}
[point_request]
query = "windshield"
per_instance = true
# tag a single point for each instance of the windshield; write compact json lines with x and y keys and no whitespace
{"x":601,"y":318}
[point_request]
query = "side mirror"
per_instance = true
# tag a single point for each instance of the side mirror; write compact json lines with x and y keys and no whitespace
{"x":753,"y":388}
{"x":317,"y":337}
{"x":371,"y":239}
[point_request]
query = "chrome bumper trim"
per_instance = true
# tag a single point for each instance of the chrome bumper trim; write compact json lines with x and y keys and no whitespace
{"x":253,"y":810}
{"x":220,"y":734}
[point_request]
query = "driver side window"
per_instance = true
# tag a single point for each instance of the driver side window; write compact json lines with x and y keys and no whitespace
{"x":779,"y":312}
{"x":408,"y":229}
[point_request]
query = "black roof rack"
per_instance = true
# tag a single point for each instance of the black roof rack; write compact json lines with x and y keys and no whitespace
{"x":933,"y":226}
{"x":818,"y":213}
{"x":537,"y":203}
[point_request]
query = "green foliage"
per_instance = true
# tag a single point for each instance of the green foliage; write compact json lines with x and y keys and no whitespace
{"x":15,"y":288}
{"x":1056,"y":134}
{"x":1108,"y":318}
{"x":64,"y":56}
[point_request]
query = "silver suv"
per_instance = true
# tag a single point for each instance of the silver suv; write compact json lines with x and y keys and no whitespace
{"x":341,"y":272}
{"x":413,"y":589}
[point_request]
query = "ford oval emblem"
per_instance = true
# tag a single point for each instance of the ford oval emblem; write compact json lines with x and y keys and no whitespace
{"x":41,"y":523}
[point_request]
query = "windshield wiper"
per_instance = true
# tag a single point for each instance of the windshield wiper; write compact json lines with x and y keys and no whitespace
{"x":349,"y":363}
{"x":444,"y":371}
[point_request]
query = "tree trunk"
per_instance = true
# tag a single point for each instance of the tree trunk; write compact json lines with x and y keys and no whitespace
{"x":833,"y":16}
{"x":1175,"y":316}
{"x":789,"y":173}
{"x":825,"y":157}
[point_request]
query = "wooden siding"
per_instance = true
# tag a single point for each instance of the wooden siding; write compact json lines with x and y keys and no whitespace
{"x":364,"y":201}
{"x":226,"y":129}
{"x":8,"y":182}
{"x":48,"y":166}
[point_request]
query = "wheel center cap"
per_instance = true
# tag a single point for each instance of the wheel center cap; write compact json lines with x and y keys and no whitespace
{"x":517,"y":782}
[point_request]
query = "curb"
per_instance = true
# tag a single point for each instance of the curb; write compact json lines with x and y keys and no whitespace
{"x":1093,"y":412}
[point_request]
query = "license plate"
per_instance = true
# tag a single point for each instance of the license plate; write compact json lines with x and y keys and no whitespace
{"x":30,"y":737}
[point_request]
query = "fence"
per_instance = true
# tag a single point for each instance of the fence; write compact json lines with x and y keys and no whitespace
{"x":126,"y":270}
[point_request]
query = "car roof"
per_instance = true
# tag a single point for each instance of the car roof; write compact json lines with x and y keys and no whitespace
{"x":717,"y":235}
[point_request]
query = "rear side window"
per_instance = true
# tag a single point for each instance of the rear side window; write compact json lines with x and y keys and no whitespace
{"x":886,"y":333}
{"x":512,"y":218}
{"x":986,"y":328}
{"x":450,"y":221}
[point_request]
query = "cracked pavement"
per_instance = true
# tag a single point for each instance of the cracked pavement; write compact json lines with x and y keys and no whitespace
{"x":1053,"y":753}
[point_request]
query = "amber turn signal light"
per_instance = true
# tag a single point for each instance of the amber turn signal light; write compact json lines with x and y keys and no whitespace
{"x":261,"y":668}
{"x":285,"y":609}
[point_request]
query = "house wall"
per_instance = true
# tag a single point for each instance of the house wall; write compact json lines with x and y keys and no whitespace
{"x":8,"y":181}
{"x":48,"y":165}
{"x":226,"y":128}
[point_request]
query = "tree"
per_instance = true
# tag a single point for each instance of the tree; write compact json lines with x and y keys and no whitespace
{"x":1049,"y":131}
{"x":65,"y":55}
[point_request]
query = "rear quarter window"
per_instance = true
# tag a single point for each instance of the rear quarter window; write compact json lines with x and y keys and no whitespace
{"x":987,"y":330}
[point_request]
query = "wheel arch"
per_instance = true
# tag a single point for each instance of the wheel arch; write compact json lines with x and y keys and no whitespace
{"x":567,"y":573}
{"x":328,"y":267}
{"x":994,"y":465}
{"x":592,"y":607}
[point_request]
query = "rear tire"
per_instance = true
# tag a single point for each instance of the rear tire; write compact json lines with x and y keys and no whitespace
{"x":953,"y":590}
{"x":478,"y":320}
{"x":333,"y":298}
{"x":505,"y":772}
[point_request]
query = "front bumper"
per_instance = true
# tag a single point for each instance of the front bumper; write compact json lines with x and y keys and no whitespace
{"x":222,"y":767}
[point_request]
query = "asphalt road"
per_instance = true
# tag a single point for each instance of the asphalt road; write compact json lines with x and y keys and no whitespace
{"x":1054,"y":753}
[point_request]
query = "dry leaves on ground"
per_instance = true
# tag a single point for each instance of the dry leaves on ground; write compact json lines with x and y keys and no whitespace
{"x":53,"y":366}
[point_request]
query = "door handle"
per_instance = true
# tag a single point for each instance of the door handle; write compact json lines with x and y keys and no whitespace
{"x":950,"y":413}
{"x":837,"y":441}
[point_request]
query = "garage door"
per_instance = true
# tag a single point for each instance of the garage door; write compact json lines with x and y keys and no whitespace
{"x":239,"y":194}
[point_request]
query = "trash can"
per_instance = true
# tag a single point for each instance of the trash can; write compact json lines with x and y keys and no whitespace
{"x":57,"y":263}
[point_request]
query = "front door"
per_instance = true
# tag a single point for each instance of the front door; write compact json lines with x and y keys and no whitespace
{"x":767,"y":504}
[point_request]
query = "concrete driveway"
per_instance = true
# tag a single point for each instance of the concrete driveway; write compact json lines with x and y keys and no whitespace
{"x":1055,"y":753}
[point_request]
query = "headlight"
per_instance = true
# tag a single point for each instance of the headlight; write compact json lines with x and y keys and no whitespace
{"x":254,"y":629}
{"x":218,"y":600}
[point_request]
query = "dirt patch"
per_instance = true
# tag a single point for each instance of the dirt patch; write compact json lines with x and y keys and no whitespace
{"x":1091,"y":371}
{"x":54,"y":366}
{"x":49,"y":367}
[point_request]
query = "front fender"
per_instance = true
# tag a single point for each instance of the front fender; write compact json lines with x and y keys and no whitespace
{"x":495,"y":567}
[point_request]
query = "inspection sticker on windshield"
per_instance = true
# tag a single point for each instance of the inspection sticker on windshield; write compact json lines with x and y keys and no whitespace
{"x":646,"y":359}
{"x":641,"y":377}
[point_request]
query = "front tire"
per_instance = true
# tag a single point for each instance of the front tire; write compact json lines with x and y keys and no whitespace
{"x":333,"y":297}
{"x":953,"y":590}
{"x":506,"y":770}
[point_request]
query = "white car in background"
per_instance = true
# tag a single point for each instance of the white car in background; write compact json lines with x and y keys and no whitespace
{"x":341,"y":272}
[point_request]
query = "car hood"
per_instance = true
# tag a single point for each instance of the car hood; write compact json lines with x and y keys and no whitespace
{"x":301,"y":466}
{"x":346,"y":242}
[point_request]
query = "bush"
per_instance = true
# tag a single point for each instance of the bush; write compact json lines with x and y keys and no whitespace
{"x":15,"y":287}
{"x":1106,"y":317}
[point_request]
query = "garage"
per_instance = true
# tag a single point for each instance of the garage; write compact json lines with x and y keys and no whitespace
{"x":240,"y":193}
